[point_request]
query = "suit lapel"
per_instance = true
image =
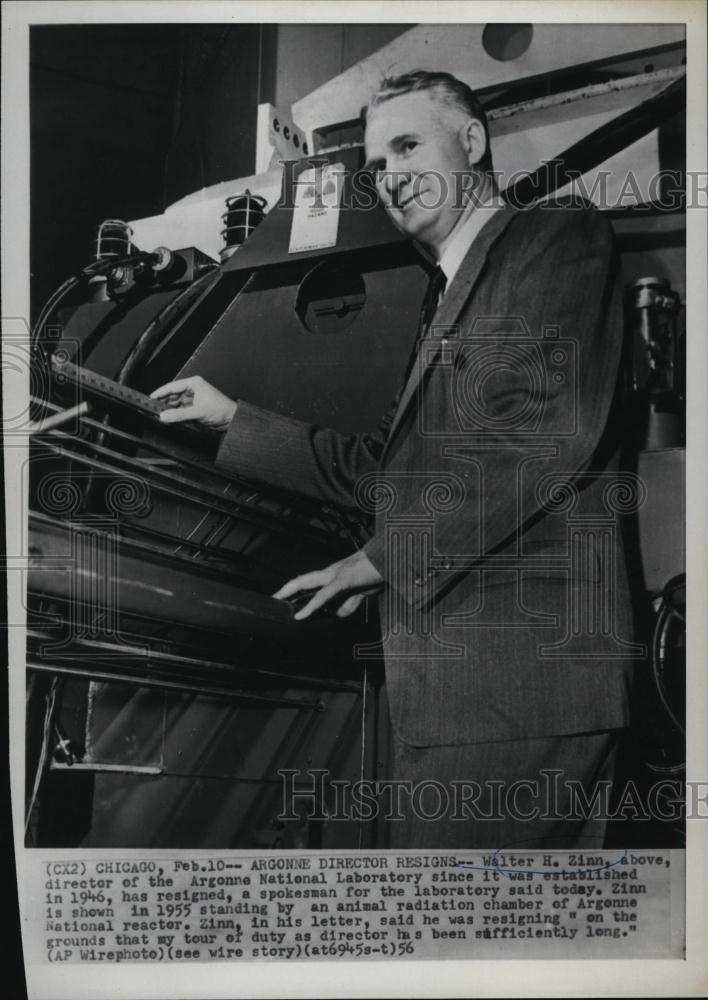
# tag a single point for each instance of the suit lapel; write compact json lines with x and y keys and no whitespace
{"x":448,"y":314}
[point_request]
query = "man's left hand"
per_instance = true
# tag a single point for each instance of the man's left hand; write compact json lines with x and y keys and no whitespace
{"x":352,"y":578}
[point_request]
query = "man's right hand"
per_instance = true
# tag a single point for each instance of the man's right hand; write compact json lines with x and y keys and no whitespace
{"x":195,"y":400}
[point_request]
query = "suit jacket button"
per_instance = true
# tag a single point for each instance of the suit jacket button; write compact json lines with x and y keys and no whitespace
{"x":418,"y":581}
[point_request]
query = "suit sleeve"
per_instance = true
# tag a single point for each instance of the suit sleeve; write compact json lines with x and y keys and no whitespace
{"x":559,"y":271}
{"x":303,"y":458}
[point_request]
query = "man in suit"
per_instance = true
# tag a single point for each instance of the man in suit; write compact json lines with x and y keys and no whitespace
{"x":503,"y":595}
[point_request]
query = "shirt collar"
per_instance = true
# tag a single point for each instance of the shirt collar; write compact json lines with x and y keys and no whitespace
{"x":464,"y":234}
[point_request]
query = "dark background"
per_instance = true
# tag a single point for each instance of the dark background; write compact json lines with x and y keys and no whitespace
{"x":128,"y":118}
{"x":124,"y":121}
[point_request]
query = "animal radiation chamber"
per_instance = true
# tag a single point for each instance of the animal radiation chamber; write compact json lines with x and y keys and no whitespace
{"x":167,"y":688}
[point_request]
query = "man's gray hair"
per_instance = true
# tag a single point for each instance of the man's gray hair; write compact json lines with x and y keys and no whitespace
{"x":444,"y":88}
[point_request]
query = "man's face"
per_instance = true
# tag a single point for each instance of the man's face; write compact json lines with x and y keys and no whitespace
{"x":418,"y":159}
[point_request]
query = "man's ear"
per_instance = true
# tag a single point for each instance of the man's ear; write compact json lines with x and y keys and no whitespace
{"x":473,"y":140}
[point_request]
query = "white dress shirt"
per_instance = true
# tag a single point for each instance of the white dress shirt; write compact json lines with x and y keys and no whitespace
{"x":463,"y":235}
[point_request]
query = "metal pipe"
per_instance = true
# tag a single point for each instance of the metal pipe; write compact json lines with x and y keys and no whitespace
{"x":176,"y":660}
{"x":57,"y":419}
{"x":125,"y":677}
{"x":309,"y":508}
{"x":201,"y":496}
{"x":598,"y":146}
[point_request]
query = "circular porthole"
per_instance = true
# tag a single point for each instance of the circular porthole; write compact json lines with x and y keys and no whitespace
{"x":505,"y":42}
{"x":330,"y":297}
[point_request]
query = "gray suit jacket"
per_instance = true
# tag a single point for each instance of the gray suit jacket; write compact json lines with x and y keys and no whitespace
{"x":494,"y":487}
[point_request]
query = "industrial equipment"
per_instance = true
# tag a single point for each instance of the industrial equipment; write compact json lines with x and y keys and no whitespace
{"x":151,"y":569}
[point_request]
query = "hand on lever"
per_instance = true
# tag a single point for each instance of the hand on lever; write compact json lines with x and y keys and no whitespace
{"x":352,"y":579}
{"x":195,"y":400}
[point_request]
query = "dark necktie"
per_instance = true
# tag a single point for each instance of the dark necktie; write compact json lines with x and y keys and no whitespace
{"x":436,"y":286}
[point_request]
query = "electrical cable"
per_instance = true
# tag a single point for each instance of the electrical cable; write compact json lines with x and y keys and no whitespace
{"x":108,"y":263}
{"x":50,"y":307}
{"x":147,"y":339}
{"x":666,"y":615}
{"x":90,"y":271}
